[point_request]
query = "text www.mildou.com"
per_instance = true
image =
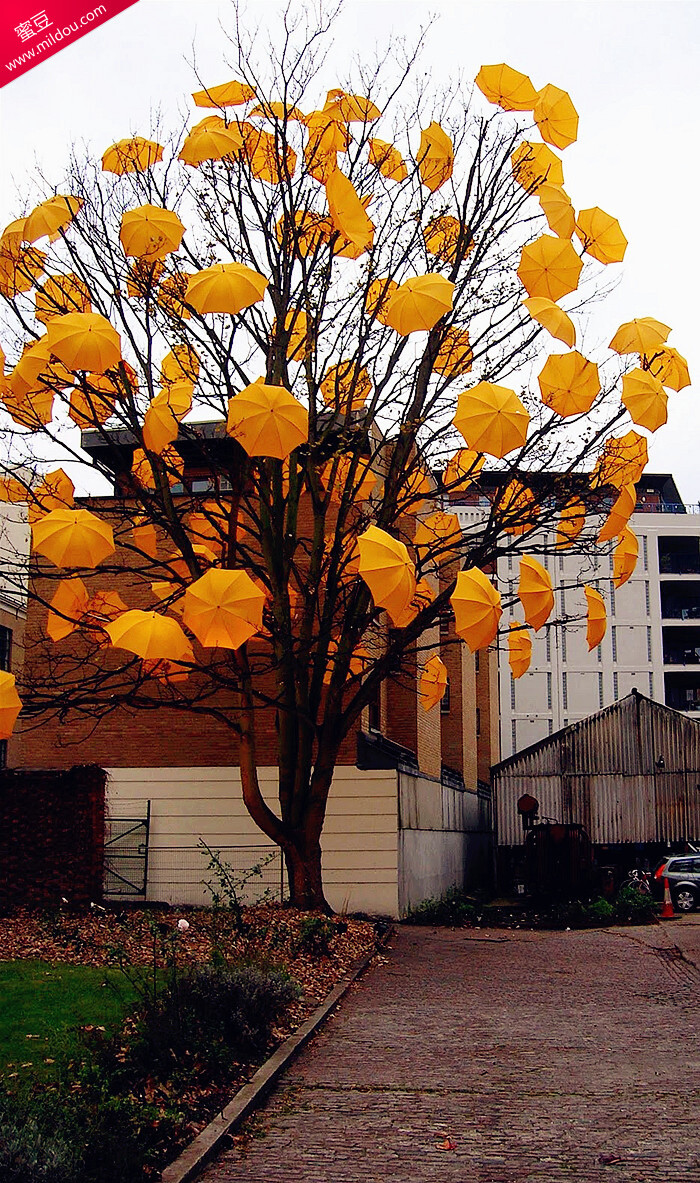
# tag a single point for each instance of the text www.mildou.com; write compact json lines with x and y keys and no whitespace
{"x":55,"y":37}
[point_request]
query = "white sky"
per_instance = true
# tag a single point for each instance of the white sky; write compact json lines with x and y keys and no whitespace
{"x":632,"y":68}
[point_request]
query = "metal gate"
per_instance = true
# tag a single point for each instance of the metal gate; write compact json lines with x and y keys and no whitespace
{"x":126,"y":855}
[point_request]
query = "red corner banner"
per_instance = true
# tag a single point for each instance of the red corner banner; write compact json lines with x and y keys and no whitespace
{"x":30,"y":34}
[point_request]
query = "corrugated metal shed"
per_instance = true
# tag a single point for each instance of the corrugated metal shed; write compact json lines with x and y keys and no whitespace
{"x":630,"y":773}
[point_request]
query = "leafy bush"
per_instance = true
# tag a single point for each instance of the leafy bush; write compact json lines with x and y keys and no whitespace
{"x":599,"y":911}
{"x":633,"y":905}
{"x":316,"y":934}
{"x":453,"y":909}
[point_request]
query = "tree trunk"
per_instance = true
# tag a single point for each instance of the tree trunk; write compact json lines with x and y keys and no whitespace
{"x":304,"y":874}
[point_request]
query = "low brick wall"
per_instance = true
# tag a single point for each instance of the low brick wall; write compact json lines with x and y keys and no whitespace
{"x":51,"y":835}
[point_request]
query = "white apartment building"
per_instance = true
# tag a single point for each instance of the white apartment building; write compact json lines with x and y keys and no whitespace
{"x":653,"y":636}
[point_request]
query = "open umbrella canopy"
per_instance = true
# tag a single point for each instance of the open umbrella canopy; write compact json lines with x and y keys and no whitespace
{"x":299,"y":336}
{"x":549,"y":267}
{"x":19,"y":271}
{"x":462,"y":469}
{"x":357,"y":665}
{"x":160,"y":424}
{"x":276,"y":111}
{"x":620,"y":513}
{"x":336,"y":474}
{"x":133,"y":155}
{"x":210,"y":139}
{"x":625,"y":557}
{"x":438,"y":535}
{"x":150,"y":232}
{"x":569,"y":383}
{"x":346,"y":386}
{"x":144,"y":536}
{"x":59,"y":295}
{"x":149,"y":634}
{"x":388,"y":570}
{"x":435,"y":157}
{"x":535,"y":165}
{"x":72,"y":538}
{"x":267,"y":420}
{"x":55,"y":491}
{"x":447,"y":238}
{"x":422,"y":597}
{"x":667,"y":364}
{"x":227,"y":94}
{"x":378,"y":298}
{"x":601,"y":235}
{"x":519,"y":649}
{"x":477,"y":608}
{"x":84,"y":341}
{"x":226,"y":287}
{"x":552,"y":318}
{"x":352,"y":108}
{"x":645,"y":399}
{"x":517,"y":508}
{"x":622,"y":461}
{"x":347,"y":213}
{"x":12,"y":491}
{"x":142,"y":277}
{"x":10,"y":704}
{"x":269,"y":160}
{"x":432,"y":683}
{"x":557,"y":209}
{"x":419,"y":303}
{"x":454,"y":357}
{"x":224,"y":608}
{"x":507,"y":87}
{"x":535,"y":592}
{"x":596,"y":617}
{"x":556,"y":116}
{"x":492,"y":419}
{"x":89,"y":407}
{"x":144,"y":468}
{"x":50,"y":217}
{"x":102,"y":607}
{"x":68,"y":607}
{"x":388,"y":160}
{"x":642,"y":335}
{"x":180,"y":365}
{"x":571,"y":522}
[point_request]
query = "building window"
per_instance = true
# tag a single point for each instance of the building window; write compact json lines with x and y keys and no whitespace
{"x":616,"y":686}
{"x":613,"y":639}
{"x":549,"y":645}
{"x":562,"y":602}
{"x":445,"y":618}
{"x":512,"y":693}
{"x":649,"y":644}
{"x":651,"y":685}
{"x":645,"y":552}
{"x":445,"y":700}
{"x":647,"y":597}
{"x":549,"y":692}
{"x":513,"y":735}
{"x":5,"y":648}
{"x":563,"y":643}
{"x":561,"y":563}
{"x":550,"y":727}
{"x":612,"y":598}
{"x":600,"y":689}
{"x":476,"y":662}
{"x":478,"y":721}
{"x":510,"y":562}
{"x":202,"y":485}
{"x":564,"y":692}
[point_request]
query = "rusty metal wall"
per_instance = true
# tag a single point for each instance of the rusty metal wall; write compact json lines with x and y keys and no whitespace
{"x":628,"y":774}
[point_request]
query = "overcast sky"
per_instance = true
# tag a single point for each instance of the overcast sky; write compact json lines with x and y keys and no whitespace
{"x":632,"y":69}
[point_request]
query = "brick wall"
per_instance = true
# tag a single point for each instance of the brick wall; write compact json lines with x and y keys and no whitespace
{"x":51,"y":836}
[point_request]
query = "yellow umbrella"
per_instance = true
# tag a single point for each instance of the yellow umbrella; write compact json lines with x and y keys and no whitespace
{"x":387,"y":568}
{"x":210,"y":527}
{"x":378,"y":298}
{"x":642,"y":335}
{"x":620,"y":514}
{"x":388,"y":160}
{"x":299,"y":338}
{"x":210,"y":139}
{"x":227,"y":94}
{"x":267,"y":420}
{"x":557,"y":209}
{"x":416,"y":485}
{"x":10,"y":704}
{"x":32,"y":409}
{"x":268,"y":159}
{"x":622,"y":461}
{"x":327,"y":134}
{"x":549,"y":267}
{"x":507,"y":87}
{"x":276,"y":111}
{"x":19,"y":272}
{"x":439,"y":533}
{"x":448,"y":239}
{"x":102,"y":607}
{"x":601,"y":235}
{"x":347,"y":213}
{"x":87,"y":407}
{"x":571,"y":523}
{"x":625,"y":557}
{"x":552,"y":318}
{"x":12,"y":238}
{"x":133,"y":155}
{"x":167,"y":671}
{"x":569,"y":383}
{"x":363,"y":480}
{"x":535,"y":592}
{"x":596,"y":617}
{"x":432,"y":683}
{"x":68,"y":607}
{"x":50,"y":217}
{"x":669,"y":367}
{"x":144,"y":537}
{"x":54,"y":492}
{"x":556,"y":116}
{"x":535,"y":165}
{"x":172,"y":294}
{"x":454,"y":357}
{"x":517,"y":508}
{"x":142,"y":277}
{"x":149,"y":635}
{"x":304,"y":232}
{"x":151,"y":232}
{"x":462,"y":470}
{"x":84,"y":341}
{"x":224,"y":608}
{"x":346,"y":386}
{"x":72,"y":538}
{"x":477,"y":608}
{"x":492,"y":419}
{"x":422,"y":596}
{"x":645,"y":399}
{"x":353,"y":108}
{"x":12,"y":491}
{"x":180,"y":365}
{"x":419,"y":303}
{"x":359,"y":661}
{"x":519,"y":649}
{"x":59,"y":295}
{"x":160,"y":424}
{"x":226,"y":287}
{"x":143,"y":470}
{"x":435,"y":157}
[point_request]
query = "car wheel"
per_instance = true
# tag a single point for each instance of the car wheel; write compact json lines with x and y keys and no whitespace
{"x":684,"y":899}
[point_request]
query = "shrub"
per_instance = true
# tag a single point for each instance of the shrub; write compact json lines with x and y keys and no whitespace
{"x":316,"y":934}
{"x":453,"y":909}
{"x":633,"y":905}
{"x":599,"y":911}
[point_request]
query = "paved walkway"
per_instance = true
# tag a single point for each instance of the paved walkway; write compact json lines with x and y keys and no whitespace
{"x":482,"y":1056}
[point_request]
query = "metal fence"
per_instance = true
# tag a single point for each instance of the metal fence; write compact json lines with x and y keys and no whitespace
{"x":195,"y":875}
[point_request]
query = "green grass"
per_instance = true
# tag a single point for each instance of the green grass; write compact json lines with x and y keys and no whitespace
{"x":41,"y":1005}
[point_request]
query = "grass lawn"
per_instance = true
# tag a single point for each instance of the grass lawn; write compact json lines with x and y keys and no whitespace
{"x":41,"y":1004}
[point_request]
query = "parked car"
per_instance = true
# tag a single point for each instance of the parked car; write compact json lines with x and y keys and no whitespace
{"x":683,"y":874}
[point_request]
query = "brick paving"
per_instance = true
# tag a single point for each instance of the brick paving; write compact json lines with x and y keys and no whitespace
{"x":492,"y":1056}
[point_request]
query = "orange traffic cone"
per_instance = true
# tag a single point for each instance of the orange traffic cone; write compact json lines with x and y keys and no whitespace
{"x":667,"y":910}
